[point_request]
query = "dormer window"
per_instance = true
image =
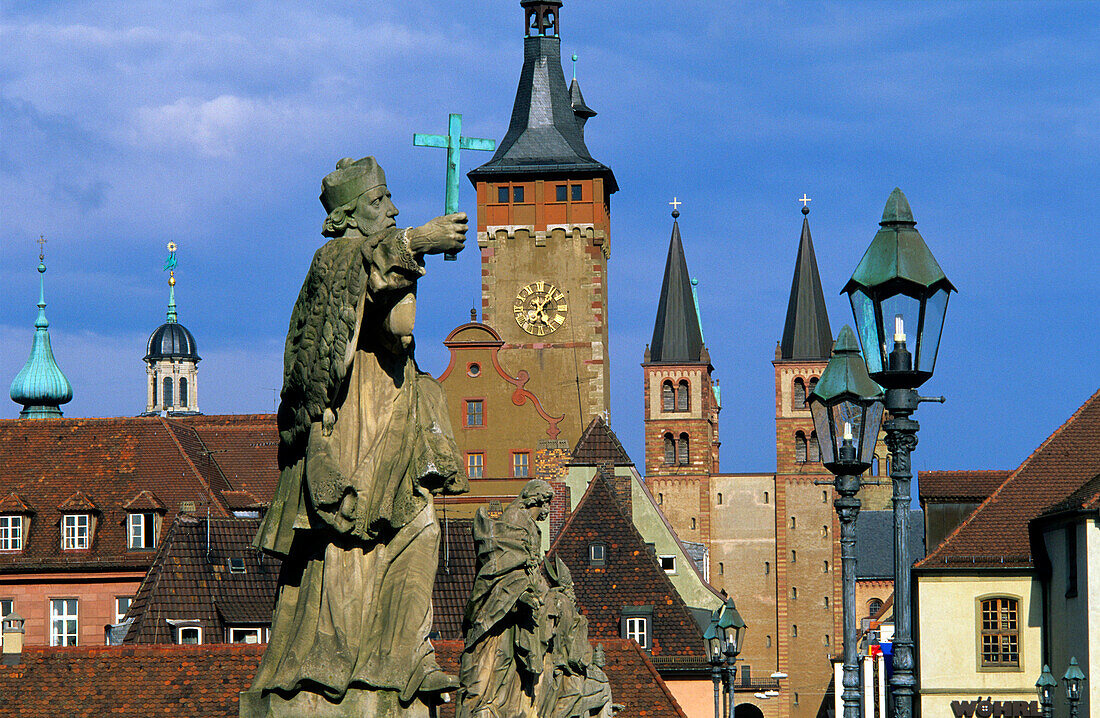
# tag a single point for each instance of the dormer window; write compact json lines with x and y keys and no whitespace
{"x":76,"y":531}
{"x":141,"y":530}
{"x":597,"y":554}
{"x":11,"y":533}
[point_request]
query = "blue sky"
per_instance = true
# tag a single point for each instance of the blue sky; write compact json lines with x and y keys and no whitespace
{"x":126,"y":125}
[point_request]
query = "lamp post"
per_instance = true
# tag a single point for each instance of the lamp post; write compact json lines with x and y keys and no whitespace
{"x":725,"y":637}
{"x":1072,"y":680}
{"x":847,"y":410}
{"x":896,"y":288}
{"x":1045,"y":688}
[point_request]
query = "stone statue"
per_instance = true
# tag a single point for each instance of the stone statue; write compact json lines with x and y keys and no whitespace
{"x":526,"y":649}
{"x":364,"y":444}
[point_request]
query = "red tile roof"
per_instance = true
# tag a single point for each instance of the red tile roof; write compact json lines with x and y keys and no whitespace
{"x":959,"y":485}
{"x":599,"y":445}
{"x":631,"y":575}
{"x":204,"y":681}
{"x":78,"y":502}
{"x":454,"y":580}
{"x":245,"y":447}
{"x":996,"y":533}
{"x":191,"y":579}
{"x":1086,"y":498}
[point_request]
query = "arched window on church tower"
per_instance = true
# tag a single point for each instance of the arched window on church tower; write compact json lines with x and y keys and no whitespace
{"x":668,"y":397}
{"x":815,"y":448}
{"x":167,"y":392}
{"x":183,"y":392}
{"x":800,"y":447}
{"x":153,"y":381}
{"x":798,"y":398}
{"x":811,"y":386}
{"x":683,"y":397}
{"x":682,"y":450}
{"x":670,"y":450}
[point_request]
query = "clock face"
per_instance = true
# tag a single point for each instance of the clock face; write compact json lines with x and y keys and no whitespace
{"x":540,"y":308}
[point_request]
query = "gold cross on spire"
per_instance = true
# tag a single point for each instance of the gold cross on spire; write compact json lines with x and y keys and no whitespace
{"x":675,"y":204}
{"x":41,"y":247}
{"x":805,"y":199}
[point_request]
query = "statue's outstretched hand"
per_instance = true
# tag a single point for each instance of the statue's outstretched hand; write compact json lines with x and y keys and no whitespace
{"x":442,"y":234}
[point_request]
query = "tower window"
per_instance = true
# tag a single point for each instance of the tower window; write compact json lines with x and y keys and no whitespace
{"x":692,"y":523}
{"x":154,"y":383}
{"x":502,"y":195}
{"x":798,"y":396}
{"x":794,"y":556}
{"x":183,"y":391}
{"x":660,"y":499}
{"x":767,"y":568}
{"x":475,"y":412}
{"x":767,"y":641}
{"x":800,"y":447}
{"x":670,"y":450}
{"x":826,"y":601}
{"x":794,"y":593}
{"x":517,"y":194}
{"x":765,"y":497}
{"x":475,"y":465}
{"x":719,"y":498}
{"x":682,"y":450}
{"x":811,"y":386}
{"x":560,"y":193}
{"x":794,"y":522}
{"x":874,"y":465}
{"x":721,"y":568}
{"x":794,"y":630}
{"x":873,"y":607}
{"x":815,"y":448}
{"x":575,"y":193}
{"x":683,"y":398}
{"x":167,"y":392}
{"x":668,"y":397}
{"x":825,"y":567}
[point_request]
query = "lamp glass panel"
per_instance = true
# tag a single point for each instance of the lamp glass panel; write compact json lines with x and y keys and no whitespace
{"x":872,"y":420}
{"x":824,"y":431}
{"x":908,"y":308}
{"x":935,"y":308}
{"x":863,"y":310}
{"x":851,"y":413}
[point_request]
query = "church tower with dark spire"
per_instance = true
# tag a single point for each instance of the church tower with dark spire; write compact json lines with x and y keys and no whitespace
{"x":172,"y":359}
{"x":543,"y":228}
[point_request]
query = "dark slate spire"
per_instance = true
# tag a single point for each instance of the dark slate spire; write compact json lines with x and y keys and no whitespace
{"x":806,"y":333}
{"x":676,"y":335}
{"x":544,"y":136}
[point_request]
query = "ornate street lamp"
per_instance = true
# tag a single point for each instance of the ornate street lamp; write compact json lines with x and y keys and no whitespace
{"x":1045,"y":688}
{"x":725,"y":637}
{"x":716,"y":655}
{"x":847,"y":410}
{"x":899,"y":298}
{"x":1072,"y":681}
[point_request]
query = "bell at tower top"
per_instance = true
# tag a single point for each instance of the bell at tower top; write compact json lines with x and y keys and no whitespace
{"x":541,"y":17}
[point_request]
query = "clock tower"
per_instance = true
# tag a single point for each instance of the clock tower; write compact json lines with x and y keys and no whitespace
{"x":543,"y":228}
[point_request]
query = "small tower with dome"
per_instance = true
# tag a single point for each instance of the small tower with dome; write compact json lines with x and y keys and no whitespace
{"x":41,"y":386}
{"x":172,"y":359}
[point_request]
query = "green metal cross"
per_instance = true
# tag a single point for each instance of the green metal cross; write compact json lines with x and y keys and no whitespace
{"x":453,"y":142}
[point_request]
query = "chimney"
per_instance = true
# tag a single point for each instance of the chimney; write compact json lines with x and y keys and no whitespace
{"x":13,"y":639}
{"x":551,"y":457}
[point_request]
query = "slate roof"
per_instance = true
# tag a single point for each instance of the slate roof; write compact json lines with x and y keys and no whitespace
{"x":599,"y":445}
{"x":960,"y":486}
{"x":996,"y":533}
{"x":631,"y":576}
{"x":677,"y":337}
{"x":144,"y":462}
{"x":875,"y":543}
{"x":544,"y":135}
{"x":806,"y":332}
{"x":454,"y":579}
{"x":204,"y":681}
{"x":189,"y":582}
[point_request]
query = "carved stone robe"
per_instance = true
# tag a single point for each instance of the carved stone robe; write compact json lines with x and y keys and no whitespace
{"x":365,"y":441}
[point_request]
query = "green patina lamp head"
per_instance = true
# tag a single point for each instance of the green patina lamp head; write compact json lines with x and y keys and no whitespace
{"x":899,"y":298}
{"x":1073,"y":679}
{"x":731,"y":627}
{"x":847,"y":409}
{"x":712,"y":638}
{"x":1045,"y":686}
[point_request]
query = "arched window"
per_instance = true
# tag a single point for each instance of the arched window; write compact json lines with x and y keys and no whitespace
{"x":798,"y":396}
{"x":811,"y":386}
{"x":826,"y":601}
{"x":826,"y":639}
{"x":183,"y":392}
{"x":167,"y":392}
{"x":815,"y":448}
{"x":719,"y":498}
{"x":825,"y":567}
{"x":683,"y":397}
{"x":794,"y":555}
{"x":873,"y":607}
{"x":794,"y":523}
{"x":670,"y":450}
{"x":800,"y":447}
{"x":767,"y":641}
{"x":887,"y":464}
{"x":767,"y":568}
{"x":153,"y":381}
{"x":721,"y":568}
{"x":824,"y":530}
{"x":794,"y":630}
{"x":794,"y":593}
{"x":668,"y":397}
{"x":874,"y":465}
{"x":692,"y":523}
{"x":825,"y":496}
{"x":682,"y":450}
{"x":660,"y":499}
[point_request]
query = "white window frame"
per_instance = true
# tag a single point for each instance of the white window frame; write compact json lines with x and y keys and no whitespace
{"x":258,"y":631}
{"x":141,"y":530}
{"x":64,"y":615}
{"x":597,"y":554}
{"x":11,"y":532}
{"x":76,"y":532}
{"x":637,"y":630}
{"x":120,"y":612}
{"x":180,"y":631}
{"x":666,"y":569}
